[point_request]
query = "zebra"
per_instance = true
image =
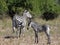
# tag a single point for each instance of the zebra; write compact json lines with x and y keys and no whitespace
{"x":20,"y":21}
{"x":40,"y":28}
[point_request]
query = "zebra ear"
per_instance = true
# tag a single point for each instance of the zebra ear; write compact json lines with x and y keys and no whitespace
{"x":25,"y":11}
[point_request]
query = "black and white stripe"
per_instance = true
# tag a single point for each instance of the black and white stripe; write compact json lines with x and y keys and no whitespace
{"x":40,"y":28}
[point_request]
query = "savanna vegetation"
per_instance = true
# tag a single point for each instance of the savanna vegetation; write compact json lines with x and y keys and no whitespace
{"x":36,"y":7}
{"x":44,"y":9}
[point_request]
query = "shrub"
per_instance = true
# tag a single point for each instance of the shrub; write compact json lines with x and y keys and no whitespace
{"x":49,"y":15}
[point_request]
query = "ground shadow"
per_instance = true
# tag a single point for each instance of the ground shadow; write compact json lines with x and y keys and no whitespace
{"x":8,"y":37}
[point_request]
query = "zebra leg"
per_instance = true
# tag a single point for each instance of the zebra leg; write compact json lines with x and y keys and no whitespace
{"x":17,"y":32}
{"x":48,"y":35}
{"x":20,"y":32}
{"x":13,"y":29}
{"x":36,"y":37}
{"x":13,"y":25}
{"x":23,"y":30}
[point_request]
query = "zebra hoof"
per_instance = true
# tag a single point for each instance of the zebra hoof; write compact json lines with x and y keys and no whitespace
{"x":27,"y":28}
{"x":49,"y":43}
{"x":36,"y":42}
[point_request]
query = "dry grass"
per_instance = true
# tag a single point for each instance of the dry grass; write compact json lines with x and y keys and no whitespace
{"x":28,"y":37}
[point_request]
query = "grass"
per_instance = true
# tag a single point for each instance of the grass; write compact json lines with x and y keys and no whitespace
{"x":28,"y":38}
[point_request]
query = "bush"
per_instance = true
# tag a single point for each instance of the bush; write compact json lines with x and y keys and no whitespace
{"x":3,"y":7}
{"x":49,"y":15}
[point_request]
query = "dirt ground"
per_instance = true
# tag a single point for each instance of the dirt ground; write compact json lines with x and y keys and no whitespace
{"x":27,"y":38}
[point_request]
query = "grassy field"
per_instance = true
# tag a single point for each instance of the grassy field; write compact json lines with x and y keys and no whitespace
{"x":28,"y":37}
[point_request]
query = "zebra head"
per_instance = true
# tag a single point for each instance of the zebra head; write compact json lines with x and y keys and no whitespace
{"x":27,"y":13}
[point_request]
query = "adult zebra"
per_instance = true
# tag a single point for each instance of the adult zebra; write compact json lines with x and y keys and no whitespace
{"x":19,"y":21}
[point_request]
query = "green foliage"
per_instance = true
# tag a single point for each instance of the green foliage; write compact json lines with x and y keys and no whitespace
{"x":36,"y":7}
{"x":35,"y":4}
{"x":3,"y":7}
